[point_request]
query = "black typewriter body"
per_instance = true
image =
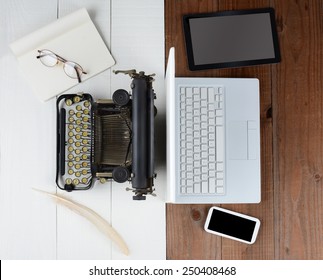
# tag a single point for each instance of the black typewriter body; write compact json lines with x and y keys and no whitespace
{"x":107,"y":139}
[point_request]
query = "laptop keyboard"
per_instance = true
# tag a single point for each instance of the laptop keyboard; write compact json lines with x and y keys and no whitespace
{"x":202,"y":140}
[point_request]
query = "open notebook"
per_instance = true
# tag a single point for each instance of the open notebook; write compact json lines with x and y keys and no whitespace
{"x":75,"y":38}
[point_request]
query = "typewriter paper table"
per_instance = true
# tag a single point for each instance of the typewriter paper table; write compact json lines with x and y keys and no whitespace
{"x":31,"y":225}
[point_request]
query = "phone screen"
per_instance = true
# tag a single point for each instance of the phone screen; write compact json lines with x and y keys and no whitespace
{"x":232,"y":225}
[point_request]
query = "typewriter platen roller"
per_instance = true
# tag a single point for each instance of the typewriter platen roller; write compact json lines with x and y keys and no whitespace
{"x":108,"y":139}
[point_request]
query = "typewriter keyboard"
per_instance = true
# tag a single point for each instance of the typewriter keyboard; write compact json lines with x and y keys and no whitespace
{"x":76,"y":141}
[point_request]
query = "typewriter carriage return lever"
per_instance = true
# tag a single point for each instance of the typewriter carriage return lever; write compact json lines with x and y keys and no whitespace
{"x":108,"y":139}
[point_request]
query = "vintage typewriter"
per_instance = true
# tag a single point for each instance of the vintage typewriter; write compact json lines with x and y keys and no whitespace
{"x":108,"y":139}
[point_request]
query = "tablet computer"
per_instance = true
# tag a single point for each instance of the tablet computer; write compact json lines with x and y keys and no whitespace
{"x":231,"y":39}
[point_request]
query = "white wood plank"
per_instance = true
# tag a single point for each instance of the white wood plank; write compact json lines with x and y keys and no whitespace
{"x":27,"y":220}
{"x":138,"y":42}
{"x":77,"y":238}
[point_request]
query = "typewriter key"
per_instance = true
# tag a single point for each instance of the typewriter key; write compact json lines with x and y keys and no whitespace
{"x":76,"y":181}
{"x":84,"y":157}
{"x":70,"y":126}
{"x":78,"y":122}
{"x":85,"y":119}
{"x":103,"y":180}
{"x":70,"y":171}
{"x":77,"y":99}
{"x":78,"y":107}
{"x":68,"y":102}
{"x":70,"y":149}
{"x":85,"y":142}
{"x":70,"y":164}
{"x":84,"y":180}
{"x":78,"y":136}
{"x":84,"y":164}
{"x":71,"y":119}
{"x":77,"y":159}
{"x":84,"y":149}
{"x":85,"y":126}
{"x":77,"y":144}
{"x":84,"y":171}
{"x":70,"y":141}
{"x":78,"y":114}
{"x":68,"y":181}
{"x":70,"y":156}
{"x":86,"y":103}
{"x":84,"y":134}
{"x":78,"y":174}
{"x":86,"y":112}
{"x":70,"y":134}
{"x":77,"y":151}
{"x":71,"y":112}
{"x":77,"y":166}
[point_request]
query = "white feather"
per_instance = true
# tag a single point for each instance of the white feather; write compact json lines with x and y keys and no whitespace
{"x":91,"y":216}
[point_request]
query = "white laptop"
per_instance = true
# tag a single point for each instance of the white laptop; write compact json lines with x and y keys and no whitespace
{"x":213,"y":139}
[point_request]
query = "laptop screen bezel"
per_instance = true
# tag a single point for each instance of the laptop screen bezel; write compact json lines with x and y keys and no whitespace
{"x":189,"y":47}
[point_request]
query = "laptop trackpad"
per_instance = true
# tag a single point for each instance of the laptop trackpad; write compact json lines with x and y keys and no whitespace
{"x":238,"y":140}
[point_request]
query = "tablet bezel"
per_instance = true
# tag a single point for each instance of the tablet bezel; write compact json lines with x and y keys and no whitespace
{"x":189,"y":48}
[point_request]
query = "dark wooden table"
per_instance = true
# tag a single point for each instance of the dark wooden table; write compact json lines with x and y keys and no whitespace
{"x":291,"y":210}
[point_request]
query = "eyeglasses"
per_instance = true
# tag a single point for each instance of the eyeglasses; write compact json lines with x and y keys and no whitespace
{"x":71,"y":69}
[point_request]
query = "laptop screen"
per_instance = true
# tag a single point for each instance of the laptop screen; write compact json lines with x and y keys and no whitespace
{"x":231,"y":39}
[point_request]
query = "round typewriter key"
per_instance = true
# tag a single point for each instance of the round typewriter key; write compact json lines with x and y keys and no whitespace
{"x":77,"y":159}
{"x":70,"y":156}
{"x":84,"y":171}
{"x":85,"y":119}
{"x":86,"y":103}
{"x":70,"y":126}
{"x":103,"y":180}
{"x":86,"y":112}
{"x":77,"y":151}
{"x":78,"y":122}
{"x":70,"y":164}
{"x":84,"y":164}
{"x":70,"y":171}
{"x":84,"y":134}
{"x":78,"y":136}
{"x":84,"y":180}
{"x":68,"y":181}
{"x":85,"y":142}
{"x":84,"y":149}
{"x":78,"y":174}
{"x":68,"y":102}
{"x":77,"y":99}
{"x":70,"y":141}
{"x":85,"y":126}
{"x":84,"y":157}
{"x":71,"y":119}
{"x":77,"y":166}
{"x":78,"y":107}
{"x":70,"y":134}
{"x":77,"y":144}
{"x":76,"y":181}
{"x":79,"y":114}
{"x":70,"y":149}
{"x":78,"y":129}
{"x":71,"y":112}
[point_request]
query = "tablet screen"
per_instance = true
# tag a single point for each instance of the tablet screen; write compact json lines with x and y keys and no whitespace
{"x":231,"y":39}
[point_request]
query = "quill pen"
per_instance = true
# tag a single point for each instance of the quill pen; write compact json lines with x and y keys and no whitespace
{"x":91,"y":216}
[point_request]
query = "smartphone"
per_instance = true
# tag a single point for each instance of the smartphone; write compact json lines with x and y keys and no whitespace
{"x":232,"y":225}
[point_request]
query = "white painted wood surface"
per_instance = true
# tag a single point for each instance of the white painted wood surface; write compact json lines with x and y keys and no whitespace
{"x":31,"y":225}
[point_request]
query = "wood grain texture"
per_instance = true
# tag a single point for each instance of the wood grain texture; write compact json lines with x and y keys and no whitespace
{"x":291,"y":139}
{"x":297,"y":114}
